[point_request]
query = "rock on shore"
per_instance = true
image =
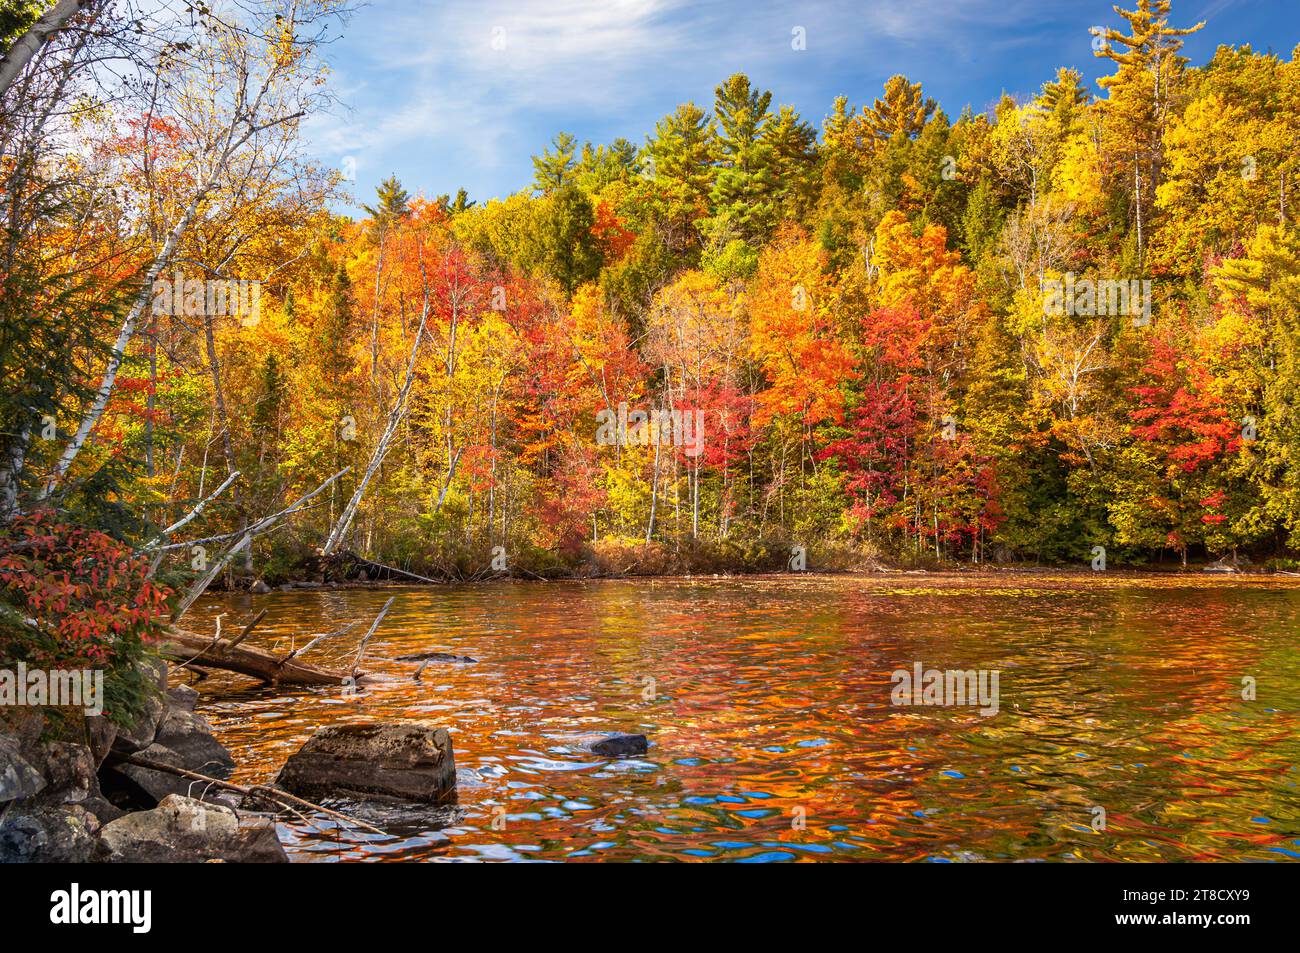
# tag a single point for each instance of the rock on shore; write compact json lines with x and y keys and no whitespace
{"x":63,"y":787}
{"x":184,"y":830}
{"x":67,"y":795}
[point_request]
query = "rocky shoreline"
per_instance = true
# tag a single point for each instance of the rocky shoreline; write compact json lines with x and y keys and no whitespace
{"x":79,"y":789}
{"x":68,"y":794}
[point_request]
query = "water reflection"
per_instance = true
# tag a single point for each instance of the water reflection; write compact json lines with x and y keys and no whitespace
{"x":767,"y":701}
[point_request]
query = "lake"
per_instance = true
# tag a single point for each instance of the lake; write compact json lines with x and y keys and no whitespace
{"x":1121,"y":731}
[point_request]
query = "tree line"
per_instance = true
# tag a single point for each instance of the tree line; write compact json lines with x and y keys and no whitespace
{"x":1064,"y":322}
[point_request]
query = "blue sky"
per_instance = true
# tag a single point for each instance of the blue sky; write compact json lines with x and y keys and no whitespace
{"x":451,"y":93}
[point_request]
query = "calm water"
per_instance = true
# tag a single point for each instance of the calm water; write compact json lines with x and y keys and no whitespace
{"x":769,"y":707}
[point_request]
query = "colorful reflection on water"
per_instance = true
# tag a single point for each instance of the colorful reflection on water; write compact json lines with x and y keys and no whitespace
{"x":767,"y":702}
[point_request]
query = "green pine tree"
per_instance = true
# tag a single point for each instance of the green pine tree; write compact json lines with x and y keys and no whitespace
{"x":554,"y":169}
{"x":744,"y":192}
{"x":393,"y":205}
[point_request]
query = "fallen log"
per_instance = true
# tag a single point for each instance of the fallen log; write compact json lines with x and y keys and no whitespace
{"x":200,"y":651}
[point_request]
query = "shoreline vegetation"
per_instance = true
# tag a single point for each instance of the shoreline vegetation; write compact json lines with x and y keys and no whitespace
{"x":388,"y":577}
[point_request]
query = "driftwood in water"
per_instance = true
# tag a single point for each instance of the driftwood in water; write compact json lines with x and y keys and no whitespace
{"x":361,"y":652}
{"x":281,"y":799}
{"x":193,"y":651}
{"x":436,"y":657}
{"x":197,"y":651}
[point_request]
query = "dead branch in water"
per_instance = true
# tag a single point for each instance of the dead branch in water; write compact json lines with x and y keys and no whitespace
{"x":282,"y":799}
{"x":366,"y":641}
{"x":248,"y":629}
{"x":320,"y":638}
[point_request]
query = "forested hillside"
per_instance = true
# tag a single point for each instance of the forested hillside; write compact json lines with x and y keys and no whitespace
{"x":888,"y":333}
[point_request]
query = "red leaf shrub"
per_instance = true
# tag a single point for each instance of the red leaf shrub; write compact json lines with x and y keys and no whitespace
{"x":89,"y":594}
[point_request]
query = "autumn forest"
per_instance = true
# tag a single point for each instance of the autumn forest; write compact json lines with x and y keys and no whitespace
{"x":882,"y":479}
{"x":887,"y":335}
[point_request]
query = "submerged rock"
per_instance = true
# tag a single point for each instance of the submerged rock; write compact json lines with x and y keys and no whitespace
{"x":615,"y":745}
{"x":183,"y":830}
{"x":406,"y":761}
{"x":435,"y":657}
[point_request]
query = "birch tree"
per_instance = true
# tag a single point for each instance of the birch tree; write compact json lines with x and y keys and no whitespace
{"x":244,"y":77}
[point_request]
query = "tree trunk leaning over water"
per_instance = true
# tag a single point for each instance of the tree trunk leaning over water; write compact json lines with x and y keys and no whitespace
{"x":261,"y":526}
{"x":395,"y":416}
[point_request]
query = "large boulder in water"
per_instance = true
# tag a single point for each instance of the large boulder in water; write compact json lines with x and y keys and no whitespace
{"x":406,"y":761}
{"x":183,"y":830}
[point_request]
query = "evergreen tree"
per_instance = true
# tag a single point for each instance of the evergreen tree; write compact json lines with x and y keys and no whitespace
{"x":679,"y":158}
{"x":568,"y":251}
{"x":335,"y":330}
{"x":554,"y":169}
{"x":744,"y":191}
{"x":793,"y":145}
{"x":1141,"y":95}
{"x":393,"y":205}
{"x":903,"y":112}
{"x":600,"y":166}
{"x":453,"y":207}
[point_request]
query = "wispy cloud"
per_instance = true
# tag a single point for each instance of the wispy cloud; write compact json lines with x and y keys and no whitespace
{"x":463,"y":91}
